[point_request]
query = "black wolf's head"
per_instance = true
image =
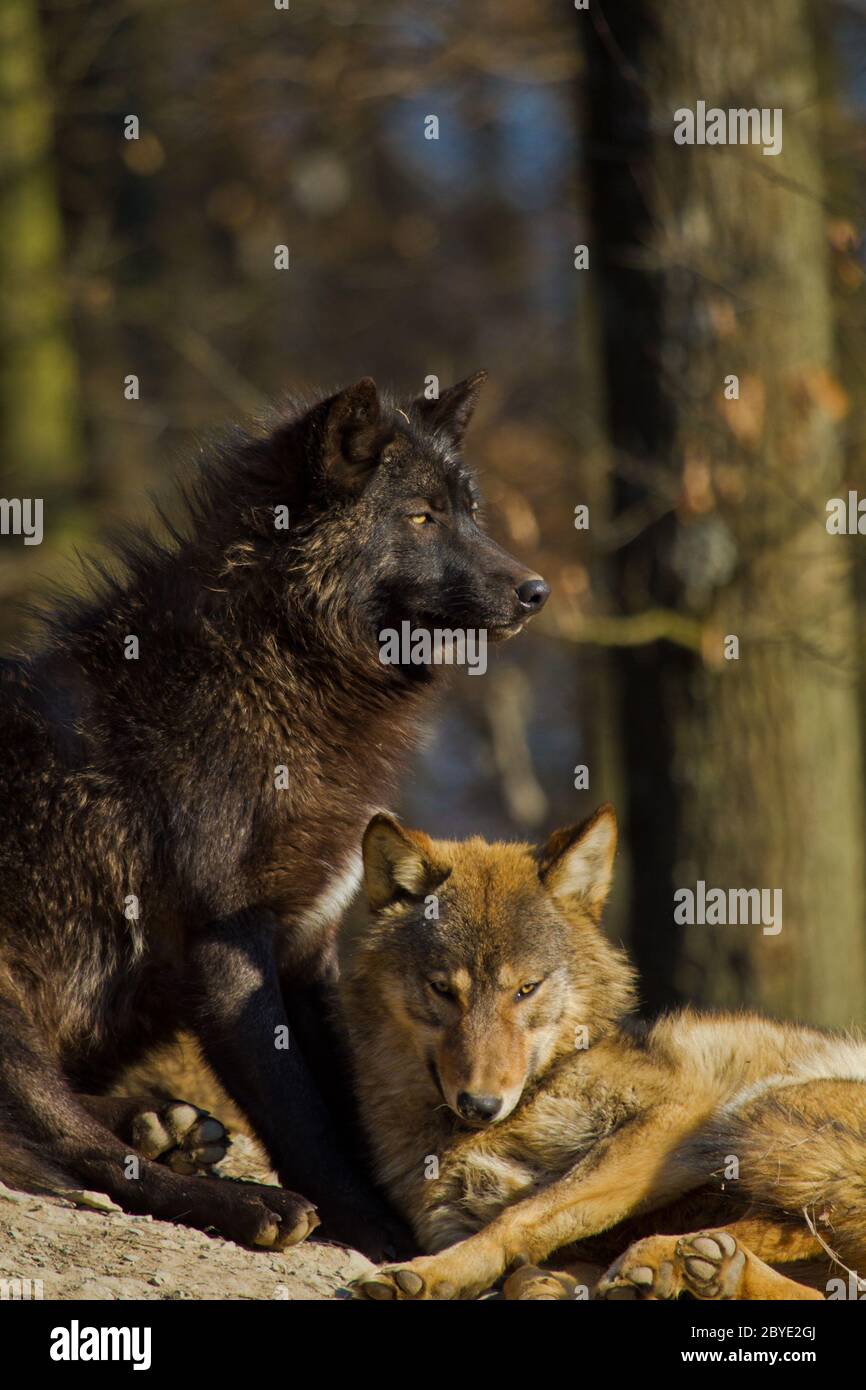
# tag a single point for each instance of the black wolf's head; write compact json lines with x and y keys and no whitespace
{"x":395,"y":477}
{"x":384,"y":526}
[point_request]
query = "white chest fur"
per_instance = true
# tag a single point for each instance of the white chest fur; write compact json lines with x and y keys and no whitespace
{"x":339,"y":890}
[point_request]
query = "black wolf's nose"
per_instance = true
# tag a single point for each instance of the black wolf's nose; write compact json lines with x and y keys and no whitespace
{"x":533,"y":594}
{"x":478,"y":1107}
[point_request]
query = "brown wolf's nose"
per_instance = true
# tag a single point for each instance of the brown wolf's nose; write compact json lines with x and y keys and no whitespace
{"x":533,"y":594}
{"x":478,"y":1107}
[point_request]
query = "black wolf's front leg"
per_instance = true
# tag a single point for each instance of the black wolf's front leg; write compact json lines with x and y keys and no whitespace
{"x":52,"y":1140}
{"x":310,"y":1005}
{"x":239,"y":1017}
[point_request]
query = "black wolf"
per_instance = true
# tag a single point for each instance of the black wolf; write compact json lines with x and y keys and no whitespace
{"x":186,"y":766}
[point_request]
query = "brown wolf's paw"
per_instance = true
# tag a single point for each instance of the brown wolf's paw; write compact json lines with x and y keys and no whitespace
{"x":181,"y":1136}
{"x":712,"y":1264}
{"x":646,"y":1270}
{"x":544,"y":1284}
{"x":417,"y":1280}
{"x":706,"y":1265}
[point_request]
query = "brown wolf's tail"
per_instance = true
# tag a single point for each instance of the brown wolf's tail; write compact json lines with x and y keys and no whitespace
{"x":802,"y":1149}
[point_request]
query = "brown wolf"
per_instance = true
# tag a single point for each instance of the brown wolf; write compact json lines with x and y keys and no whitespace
{"x":187,"y":762}
{"x":514,"y":1110}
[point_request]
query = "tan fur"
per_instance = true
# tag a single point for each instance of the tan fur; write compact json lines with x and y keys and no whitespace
{"x":590,"y":1138}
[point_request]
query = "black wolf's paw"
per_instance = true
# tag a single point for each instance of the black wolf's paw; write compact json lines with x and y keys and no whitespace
{"x":270,"y":1217}
{"x":705,"y":1265}
{"x":250,"y":1213}
{"x":181,"y":1136}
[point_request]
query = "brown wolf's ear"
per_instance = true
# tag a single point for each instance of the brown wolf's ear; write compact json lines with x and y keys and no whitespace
{"x":577,"y":862}
{"x":353,"y":435}
{"x":453,"y":410}
{"x":397,"y":862}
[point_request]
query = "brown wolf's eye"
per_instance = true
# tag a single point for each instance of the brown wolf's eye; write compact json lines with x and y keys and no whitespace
{"x":525,"y":990}
{"x":442,"y":990}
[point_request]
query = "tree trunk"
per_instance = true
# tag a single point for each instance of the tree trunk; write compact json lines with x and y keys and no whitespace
{"x":712,"y":263}
{"x":38,"y":433}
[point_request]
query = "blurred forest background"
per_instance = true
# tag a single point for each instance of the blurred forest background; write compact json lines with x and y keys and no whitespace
{"x":305,"y":127}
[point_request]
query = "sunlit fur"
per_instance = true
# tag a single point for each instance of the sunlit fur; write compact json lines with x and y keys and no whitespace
{"x":635,"y":1120}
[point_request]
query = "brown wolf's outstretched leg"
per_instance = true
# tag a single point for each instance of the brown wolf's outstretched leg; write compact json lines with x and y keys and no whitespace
{"x":637,"y":1168}
{"x":707,"y":1265}
{"x":173,"y":1132}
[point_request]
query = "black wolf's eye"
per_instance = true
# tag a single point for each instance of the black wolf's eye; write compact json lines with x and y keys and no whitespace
{"x":421,"y":519}
{"x":525,"y":990}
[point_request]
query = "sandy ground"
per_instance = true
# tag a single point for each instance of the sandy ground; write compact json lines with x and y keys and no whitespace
{"x":81,"y":1253}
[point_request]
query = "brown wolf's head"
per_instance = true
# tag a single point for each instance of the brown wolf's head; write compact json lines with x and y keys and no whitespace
{"x":485,"y":962}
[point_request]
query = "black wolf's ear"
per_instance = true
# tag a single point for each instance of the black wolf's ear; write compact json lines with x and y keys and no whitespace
{"x":398,"y":862}
{"x":577,"y":863}
{"x":353,"y":435}
{"x":453,"y":409}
